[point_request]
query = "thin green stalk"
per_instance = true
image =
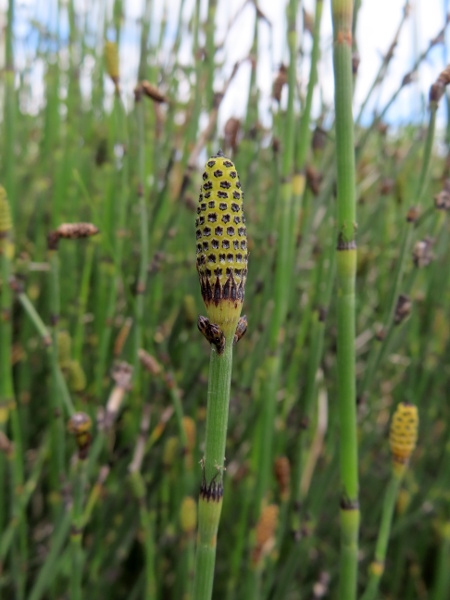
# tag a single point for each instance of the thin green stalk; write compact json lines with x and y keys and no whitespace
{"x":30,"y":485}
{"x":114,"y":223}
{"x":240,"y":539}
{"x":6,"y":383}
{"x":143,"y":218}
{"x":210,"y":54}
{"x":441,"y":585}
{"x":76,"y":532}
{"x":281,"y":288}
{"x":210,"y":503}
{"x":48,"y":571}
{"x":146,"y":516}
{"x":9,"y":114}
{"x":342,"y":11}
{"x":78,"y":338}
{"x":56,"y":406}
{"x":377,"y":566}
{"x":8,"y":403}
{"x":318,"y":327}
{"x":139,"y":490}
{"x":304,"y":133}
{"x":44,"y":333}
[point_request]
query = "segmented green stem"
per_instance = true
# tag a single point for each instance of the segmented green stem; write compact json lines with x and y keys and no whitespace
{"x":76,"y":533}
{"x":9,"y":114}
{"x":214,"y":459}
{"x":346,"y":272}
{"x":441,"y":587}
{"x":282,"y":275}
{"x":146,"y":519}
{"x":8,"y":404}
{"x":44,"y":579}
{"x":40,"y":327}
{"x":56,"y":414}
{"x":142,"y":276}
{"x":377,"y":566}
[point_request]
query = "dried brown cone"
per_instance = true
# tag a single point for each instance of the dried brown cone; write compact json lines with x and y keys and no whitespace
{"x":308,"y":22}
{"x":313,"y":179}
{"x":265,"y":533}
{"x":122,"y":336}
{"x":70,"y":231}
{"x":403,"y":309}
{"x":280,"y":81}
{"x":413,"y":214}
{"x":149,"y":363}
{"x":80,"y":425}
{"x":282,"y":470}
{"x":153,"y":92}
{"x":319,"y":139}
{"x":442,"y":199}
{"x":422,"y":252}
{"x":437,"y":90}
{"x":190,"y":431}
{"x":231,"y":131}
{"x":387,"y":185}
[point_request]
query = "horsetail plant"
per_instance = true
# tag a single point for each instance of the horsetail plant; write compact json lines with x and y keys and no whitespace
{"x":222,"y":268}
{"x":402,"y":440}
{"x":8,"y":404}
{"x":80,"y":427}
{"x":342,"y":11}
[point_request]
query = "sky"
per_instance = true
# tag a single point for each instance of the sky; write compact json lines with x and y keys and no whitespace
{"x":377,"y":24}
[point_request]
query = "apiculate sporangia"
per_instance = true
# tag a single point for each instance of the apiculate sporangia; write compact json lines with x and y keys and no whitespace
{"x":403,"y":433}
{"x":222,"y":289}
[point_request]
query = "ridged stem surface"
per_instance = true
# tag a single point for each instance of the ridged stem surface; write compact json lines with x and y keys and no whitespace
{"x":383,"y":537}
{"x":216,"y":430}
{"x":281,"y":285}
{"x":342,"y":11}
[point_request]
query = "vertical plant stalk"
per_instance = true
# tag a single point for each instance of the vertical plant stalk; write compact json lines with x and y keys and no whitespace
{"x":304,"y":134}
{"x":403,"y":438}
{"x":282,"y":276}
{"x":140,"y":492}
{"x":222,"y":268}
{"x":342,"y":11}
{"x":441,"y":585}
{"x":142,"y":276}
{"x":56,"y":415}
{"x":9,"y":115}
{"x":8,"y":404}
{"x":79,"y":426}
{"x":210,"y":54}
{"x":114,"y":218}
{"x":44,"y":333}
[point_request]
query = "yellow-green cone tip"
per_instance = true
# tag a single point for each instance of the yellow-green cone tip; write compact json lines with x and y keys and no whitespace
{"x":221,"y":242}
{"x":5,"y":213}
{"x":403,"y":432}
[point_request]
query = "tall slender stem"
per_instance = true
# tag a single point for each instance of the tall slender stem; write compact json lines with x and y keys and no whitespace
{"x":342,"y":11}
{"x":210,"y":504}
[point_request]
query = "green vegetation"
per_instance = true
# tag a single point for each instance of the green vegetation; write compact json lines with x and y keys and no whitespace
{"x":115,"y":414}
